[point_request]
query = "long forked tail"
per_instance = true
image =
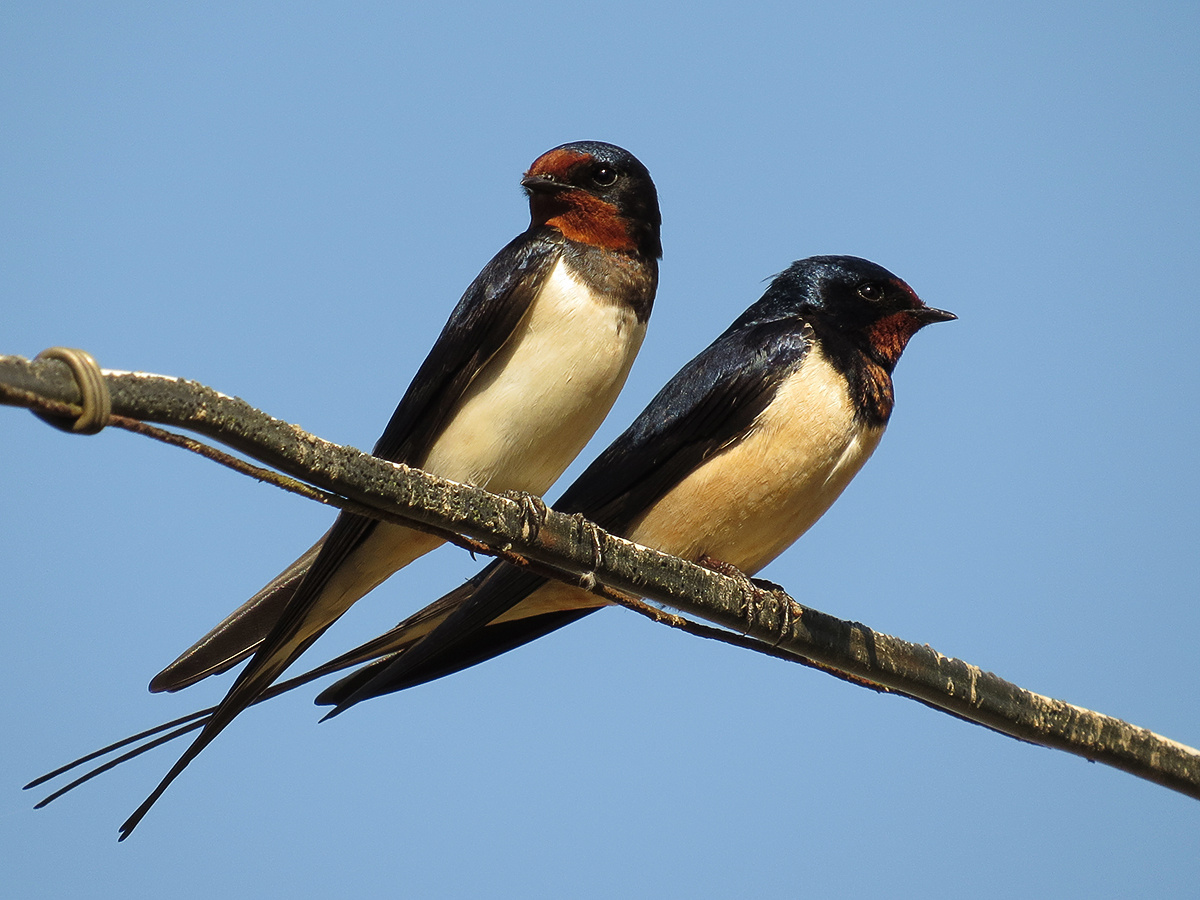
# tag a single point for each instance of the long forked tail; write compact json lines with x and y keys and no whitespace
{"x":169,"y":731}
{"x":379,"y":649}
{"x":250,"y":684}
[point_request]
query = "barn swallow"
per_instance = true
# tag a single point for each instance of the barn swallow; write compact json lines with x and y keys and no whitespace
{"x":741,"y":452}
{"x":732,"y":461}
{"x":526,"y":368}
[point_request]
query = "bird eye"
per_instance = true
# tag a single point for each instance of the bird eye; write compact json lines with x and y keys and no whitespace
{"x":872,"y":291}
{"x":604,"y":176}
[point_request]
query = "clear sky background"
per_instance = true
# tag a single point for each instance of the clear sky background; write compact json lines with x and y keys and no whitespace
{"x":285,"y":200}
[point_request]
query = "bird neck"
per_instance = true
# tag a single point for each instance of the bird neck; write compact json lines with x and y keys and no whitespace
{"x":585,"y":219}
{"x":623,"y":278}
{"x":867,"y":371}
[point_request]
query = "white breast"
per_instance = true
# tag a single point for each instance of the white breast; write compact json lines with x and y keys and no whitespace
{"x":541,"y":398}
{"x":749,"y":502}
{"x":522,"y":421}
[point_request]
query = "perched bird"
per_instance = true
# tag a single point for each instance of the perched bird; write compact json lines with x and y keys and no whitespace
{"x":526,"y":368}
{"x":741,"y":452}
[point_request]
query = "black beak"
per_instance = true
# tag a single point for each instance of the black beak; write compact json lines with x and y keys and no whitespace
{"x":544,"y":184}
{"x":927,"y":315}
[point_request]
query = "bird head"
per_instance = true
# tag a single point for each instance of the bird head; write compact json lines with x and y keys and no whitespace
{"x":595,"y":193}
{"x":852,"y":301}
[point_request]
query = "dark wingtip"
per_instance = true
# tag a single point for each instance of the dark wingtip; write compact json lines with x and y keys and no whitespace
{"x":336,"y":711}
{"x":164,"y":682}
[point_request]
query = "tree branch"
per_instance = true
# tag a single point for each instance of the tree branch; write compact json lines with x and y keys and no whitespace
{"x":520,"y":529}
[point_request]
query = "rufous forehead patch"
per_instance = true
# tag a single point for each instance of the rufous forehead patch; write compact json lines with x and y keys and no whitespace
{"x":911,"y":293}
{"x":557,"y":162}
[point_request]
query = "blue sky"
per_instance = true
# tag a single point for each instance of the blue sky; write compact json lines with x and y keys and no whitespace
{"x":285,"y":200}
